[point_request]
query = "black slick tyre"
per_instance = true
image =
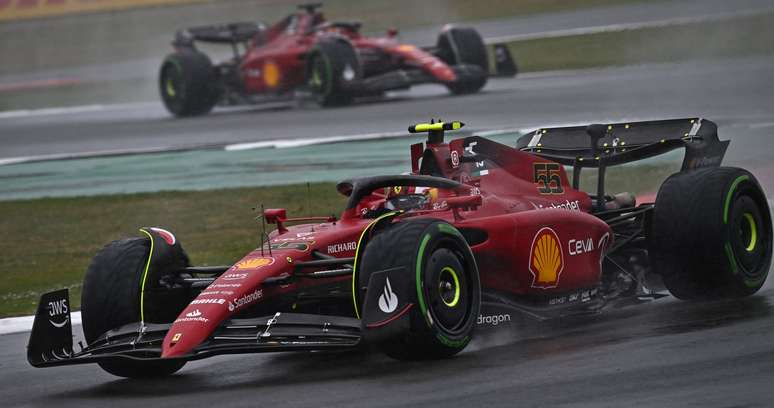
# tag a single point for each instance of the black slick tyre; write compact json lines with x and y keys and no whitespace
{"x":463,"y":48}
{"x":332,"y":67}
{"x":441,"y":267}
{"x":188,"y":84}
{"x":111,"y":298}
{"x":711,"y":234}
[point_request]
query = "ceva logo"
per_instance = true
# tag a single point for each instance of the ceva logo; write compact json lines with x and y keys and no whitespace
{"x":388,"y":300}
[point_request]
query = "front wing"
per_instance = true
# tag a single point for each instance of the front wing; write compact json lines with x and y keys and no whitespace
{"x":405,"y":78}
{"x":281,"y":332}
{"x":51,"y":340}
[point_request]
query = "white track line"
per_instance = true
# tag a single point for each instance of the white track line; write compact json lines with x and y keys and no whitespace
{"x":101,"y":153}
{"x":70,"y":110}
{"x":280,"y":143}
{"x":760,"y":125}
{"x":24,"y":323}
{"x":287,"y":143}
{"x":233,"y":147}
{"x":266,"y":144}
{"x":23,"y":113}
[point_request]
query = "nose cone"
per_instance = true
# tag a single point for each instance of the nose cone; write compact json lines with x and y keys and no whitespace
{"x":234,"y":291}
{"x":193,"y":326}
{"x":177,"y":344}
{"x":446,"y":74}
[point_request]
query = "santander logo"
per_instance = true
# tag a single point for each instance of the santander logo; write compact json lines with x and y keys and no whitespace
{"x":388,"y":300}
{"x":195,"y":313}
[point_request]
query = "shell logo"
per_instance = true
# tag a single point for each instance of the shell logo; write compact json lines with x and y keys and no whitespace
{"x":271,"y":74}
{"x":254,"y":263}
{"x":433,"y":194}
{"x":546,"y":259}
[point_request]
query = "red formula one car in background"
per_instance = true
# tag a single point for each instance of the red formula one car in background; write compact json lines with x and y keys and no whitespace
{"x":476,"y":232}
{"x":331,"y":61}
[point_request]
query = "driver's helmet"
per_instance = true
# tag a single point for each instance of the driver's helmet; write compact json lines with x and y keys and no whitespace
{"x":411,"y":198}
{"x":318,"y":18}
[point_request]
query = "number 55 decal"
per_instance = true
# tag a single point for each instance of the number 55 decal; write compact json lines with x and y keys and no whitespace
{"x":547,"y":178}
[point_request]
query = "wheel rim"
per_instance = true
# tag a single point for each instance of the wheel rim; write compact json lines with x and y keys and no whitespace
{"x":449,"y":286}
{"x":749,"y":231}
{"x":749,"y":242}
{"x":315,"y":79}
{"x":318,"y":80}
{"x":171,"y":90}
{"x":447,"y":289}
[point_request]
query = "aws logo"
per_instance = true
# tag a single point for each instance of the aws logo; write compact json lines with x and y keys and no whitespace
{"x":59,"y":313}
{"x":545,"y":259}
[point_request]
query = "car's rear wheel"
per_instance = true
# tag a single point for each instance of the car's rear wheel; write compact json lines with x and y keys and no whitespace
{"x":711,"y":234}
{"x":188,"y":84}
{"x":111,"y":298}
{"x":447,"y":296}
{"x":332,"y":66}
{"x":464,"y":49}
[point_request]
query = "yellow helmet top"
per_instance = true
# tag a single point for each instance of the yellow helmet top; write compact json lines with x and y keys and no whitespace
{"x":435,"y":126}
{"x":435,"y":129}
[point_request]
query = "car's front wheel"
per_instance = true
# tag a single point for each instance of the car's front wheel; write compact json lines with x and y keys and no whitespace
{"x":464,"y":50}
{"x":332,"y":66}
{"x":112,"y":297}
{"x":440,"y":267}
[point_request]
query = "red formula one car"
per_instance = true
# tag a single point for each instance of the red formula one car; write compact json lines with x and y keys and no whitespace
{"x":331,"y":61}
{"x":476,"y":232}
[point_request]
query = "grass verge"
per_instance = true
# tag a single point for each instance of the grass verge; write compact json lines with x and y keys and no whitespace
{"x":695,"y":41}
{"x":48,"y":243}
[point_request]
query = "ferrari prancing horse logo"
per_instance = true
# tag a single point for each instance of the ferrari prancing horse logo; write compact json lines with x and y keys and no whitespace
{"x":545,"y":259}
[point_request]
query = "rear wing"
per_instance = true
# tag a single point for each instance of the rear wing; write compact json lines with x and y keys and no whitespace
{"x":617,"y":143}
{"x":232,"y":33}
{"x":599,"y":146}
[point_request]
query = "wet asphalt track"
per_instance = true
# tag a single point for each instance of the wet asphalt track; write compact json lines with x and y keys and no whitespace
{"x":731,"y":92}
{"x":663,"y":353}
{"x":156,"y":46}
